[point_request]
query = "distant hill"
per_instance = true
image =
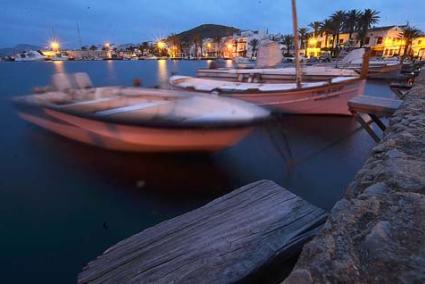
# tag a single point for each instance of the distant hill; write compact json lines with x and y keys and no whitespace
{"x":18,"y":48}
{"x":207,"y":31}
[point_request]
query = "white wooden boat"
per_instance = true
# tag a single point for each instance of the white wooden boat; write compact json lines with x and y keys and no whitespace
{"x":272,"y":75}
{"x":378,"y":69}
{"x":325,"y":97}
{"x":142,"y":120}
{"x":29,"y":55}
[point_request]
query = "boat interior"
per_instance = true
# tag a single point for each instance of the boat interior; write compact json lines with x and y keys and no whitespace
{"x":211,"y":85}
{"x":131,"y":104}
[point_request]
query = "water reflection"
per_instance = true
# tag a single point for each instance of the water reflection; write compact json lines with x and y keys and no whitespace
{"x":59,"y":66}
{"x":110,"y":68}
{"x":229,"y":63}
{"x":162,"y":72}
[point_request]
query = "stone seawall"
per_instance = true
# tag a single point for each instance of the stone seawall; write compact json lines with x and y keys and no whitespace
{"x":376,"y":233}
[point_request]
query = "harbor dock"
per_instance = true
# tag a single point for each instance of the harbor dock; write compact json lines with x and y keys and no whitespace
{"x":233,"y":238}
{"x":376,"y":233}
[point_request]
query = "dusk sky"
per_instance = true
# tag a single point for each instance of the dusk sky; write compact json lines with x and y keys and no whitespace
{"x":134,"y":21}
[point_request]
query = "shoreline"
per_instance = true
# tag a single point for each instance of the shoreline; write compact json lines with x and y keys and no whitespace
{"x":376,"y":233}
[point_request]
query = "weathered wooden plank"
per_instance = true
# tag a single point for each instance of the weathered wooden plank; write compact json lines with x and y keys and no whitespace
{"x":227,"y":240}
{"x":375,"y":105}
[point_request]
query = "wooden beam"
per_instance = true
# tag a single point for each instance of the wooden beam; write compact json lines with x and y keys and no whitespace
{"x":228,"y":240}
{"x":366,"y":126}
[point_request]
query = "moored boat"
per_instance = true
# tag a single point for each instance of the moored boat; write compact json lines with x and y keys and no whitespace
{"x":325,"y":97}
{"x":287,"y":74}
{"x":378,"y":69}
{"x":30,"y":55}
{"x":142,"y":120}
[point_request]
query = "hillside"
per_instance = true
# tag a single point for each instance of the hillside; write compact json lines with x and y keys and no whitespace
{"x":18,"y":48}
{"x":207,"y":31}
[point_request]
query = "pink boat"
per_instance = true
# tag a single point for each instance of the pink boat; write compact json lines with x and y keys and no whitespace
{"x":323,"y":97}
{"x":142,"y":120}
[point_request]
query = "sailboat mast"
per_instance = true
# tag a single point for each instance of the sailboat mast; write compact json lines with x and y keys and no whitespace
{"x":298,"y":77}
{"x":79,"y":35}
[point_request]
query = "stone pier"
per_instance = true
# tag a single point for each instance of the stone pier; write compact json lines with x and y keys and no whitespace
{"x":376,"y":233}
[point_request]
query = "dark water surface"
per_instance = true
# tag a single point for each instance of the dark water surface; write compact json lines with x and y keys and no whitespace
{"x":62,"y":203}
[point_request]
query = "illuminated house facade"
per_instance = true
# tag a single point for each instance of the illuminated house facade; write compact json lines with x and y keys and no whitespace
{"x":240,"y":44}
{"x":418,"y":47}
{"x":383,"y":41}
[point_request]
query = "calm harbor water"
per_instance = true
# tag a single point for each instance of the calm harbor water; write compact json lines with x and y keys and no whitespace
{"x":62,"y":203}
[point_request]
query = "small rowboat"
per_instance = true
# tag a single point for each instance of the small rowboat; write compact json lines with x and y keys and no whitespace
{"x":142,"y":120}
{"x":323,"y":97}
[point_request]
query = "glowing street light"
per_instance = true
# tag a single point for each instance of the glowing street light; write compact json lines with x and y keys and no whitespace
{"x":161,"y":44}
{"x":55,"y":45}
{"x":229,"y":46}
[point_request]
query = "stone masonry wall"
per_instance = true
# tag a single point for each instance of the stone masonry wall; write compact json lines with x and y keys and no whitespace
{"x":376,"y":233}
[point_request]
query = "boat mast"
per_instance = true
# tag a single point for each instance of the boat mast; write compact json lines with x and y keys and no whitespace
{"x":79,"y":35}
{"x":298,"y":77}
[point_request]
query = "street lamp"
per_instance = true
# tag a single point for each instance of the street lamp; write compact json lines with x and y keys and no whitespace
{"x":161,"y":44}
{"x":54,"y":45}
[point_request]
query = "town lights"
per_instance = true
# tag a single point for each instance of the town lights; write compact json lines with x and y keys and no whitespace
{"x":54,"y":45}
{"x":312,"y":41}
{"x":161,"y":44}
{"x":229,"y":46}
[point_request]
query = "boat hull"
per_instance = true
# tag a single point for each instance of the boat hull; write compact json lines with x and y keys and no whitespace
{"x":327,"y":100}
{"x":134,"y":138}
{"x":384,"y":72}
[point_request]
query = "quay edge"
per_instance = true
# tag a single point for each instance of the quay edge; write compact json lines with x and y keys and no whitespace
{"x":376,"y":233}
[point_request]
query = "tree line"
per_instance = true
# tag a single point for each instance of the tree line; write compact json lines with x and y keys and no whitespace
{"x":352,"y":22}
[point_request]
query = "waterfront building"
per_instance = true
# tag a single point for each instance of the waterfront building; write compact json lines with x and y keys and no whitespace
{"x":240,"y":44}
{"x":384,"y":41}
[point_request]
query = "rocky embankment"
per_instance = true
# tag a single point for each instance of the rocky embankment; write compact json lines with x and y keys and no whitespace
{"x":376,"y":233}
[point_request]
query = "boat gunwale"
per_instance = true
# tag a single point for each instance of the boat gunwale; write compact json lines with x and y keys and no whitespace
{"x":19,"y":102}
{"x":273,"y":92}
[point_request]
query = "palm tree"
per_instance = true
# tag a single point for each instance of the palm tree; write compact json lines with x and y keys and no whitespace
{"x":367,"y":19}
{"x":351,"y":22}
{"x":327,"y":29}
{"x":303,"y":36}
{"x":337,"y":19}
{"x":175,"y":44}
{"x":217,"y":41}
{"x":315,"y":26}
{"x":253,"y":43}
{"x":409,"y":34}
{"x":287,"y":41}
{"x":197,"y":41}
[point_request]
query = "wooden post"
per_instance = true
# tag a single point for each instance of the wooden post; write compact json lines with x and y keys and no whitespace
{"x":365,"y":64}
{"x":298,"y":77}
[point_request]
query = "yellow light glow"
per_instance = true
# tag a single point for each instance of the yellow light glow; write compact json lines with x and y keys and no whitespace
{"x":161,"y":44}
{"x":55,"y":45}
{"x":209,"y":45}
{"x":312,"y":40}
{"x":229,"y":46}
